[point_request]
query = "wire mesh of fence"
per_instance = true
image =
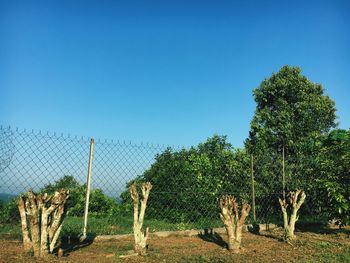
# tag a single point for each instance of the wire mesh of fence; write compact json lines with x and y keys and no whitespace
{"x":187,"y":182}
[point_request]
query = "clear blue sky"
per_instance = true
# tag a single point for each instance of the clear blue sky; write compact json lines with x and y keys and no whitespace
{"x":172,"y":72}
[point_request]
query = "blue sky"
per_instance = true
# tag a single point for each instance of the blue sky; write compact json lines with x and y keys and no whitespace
{"x":169,"y":72}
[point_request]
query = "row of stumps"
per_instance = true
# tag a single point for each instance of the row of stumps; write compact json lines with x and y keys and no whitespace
{"x":42,"y":217}
{"x":232,"y":218}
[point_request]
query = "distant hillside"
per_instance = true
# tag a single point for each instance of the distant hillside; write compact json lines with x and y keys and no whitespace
{"x":6,"y":197}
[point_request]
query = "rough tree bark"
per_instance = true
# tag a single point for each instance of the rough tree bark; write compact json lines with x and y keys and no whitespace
{"x":233,"y":221}
{"x":27,"y":243}
{"x":140,"y":246}
{"x":289,"y":222}
{"x":45,"y":215}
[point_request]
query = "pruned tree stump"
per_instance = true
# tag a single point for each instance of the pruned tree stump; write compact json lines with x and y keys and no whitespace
{"x":233,"y":221}
{"x":45,"y":215}
{"x":140,"y":245}
{"x":289,"y":221}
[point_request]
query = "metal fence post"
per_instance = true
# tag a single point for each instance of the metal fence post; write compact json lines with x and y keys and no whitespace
{"x":88,"y":185}
{"x":253,"y":187}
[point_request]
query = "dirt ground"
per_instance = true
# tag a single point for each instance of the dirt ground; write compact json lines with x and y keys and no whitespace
{"x":310,"y":246}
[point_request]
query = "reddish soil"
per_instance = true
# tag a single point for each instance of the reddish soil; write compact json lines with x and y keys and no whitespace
{"x":266,"y":247}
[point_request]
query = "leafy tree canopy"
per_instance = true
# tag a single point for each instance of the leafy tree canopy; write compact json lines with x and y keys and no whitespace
{"x":289,"y":109}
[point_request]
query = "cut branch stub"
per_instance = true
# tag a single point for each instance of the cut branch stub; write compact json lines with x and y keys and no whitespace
{"x":244,"y":212}
{"x":233,"y":220}
{"x":140,"y":238}
{"x":296,"y":199}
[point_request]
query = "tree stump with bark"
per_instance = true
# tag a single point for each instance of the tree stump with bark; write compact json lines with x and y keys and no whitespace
{"x":42,"y":218}
{"x":296,"y":199}
{"x":233,"y":220}
{"x":140,"y":246}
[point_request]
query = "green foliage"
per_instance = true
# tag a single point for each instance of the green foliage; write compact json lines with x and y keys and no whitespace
{"x":66,"y":182}
{"x":293,"y":114}
{"x":290,"y":108}
{"x":188,"y":183}
{"x":77,"y":192}
{"x":334,"y":181}
{"x":9,"y":211}
{"x":100,"y":204}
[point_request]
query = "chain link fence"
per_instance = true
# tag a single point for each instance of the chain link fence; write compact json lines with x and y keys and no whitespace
{"x":187,"y":182}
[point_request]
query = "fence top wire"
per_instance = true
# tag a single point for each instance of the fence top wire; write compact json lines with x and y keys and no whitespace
{"x":101,"y":141}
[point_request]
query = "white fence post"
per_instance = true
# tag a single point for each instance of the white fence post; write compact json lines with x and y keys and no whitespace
{"x":88,"y":185}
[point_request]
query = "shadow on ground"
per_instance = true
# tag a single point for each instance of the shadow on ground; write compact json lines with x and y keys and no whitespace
{"x":266,"y":232}
{"x":318,"y":228}
{"x":70,"y":244}
{"x":213,"y":237}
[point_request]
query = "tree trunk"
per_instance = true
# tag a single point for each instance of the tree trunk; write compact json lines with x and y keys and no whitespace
{"x":27,"y":243}
{"x":140,"y":246}
{"x":289,"y":222}
{"x":34,"y":222}
{"x":230,"y":236}
{"x":238,"y":237}
{"x":288,"y":234}
{"x":56,"y":225}
{"x":44,"y":238}
{"x":233,"y":221}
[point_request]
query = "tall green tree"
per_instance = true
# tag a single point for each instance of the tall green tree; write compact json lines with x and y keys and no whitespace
{"x":292,"y":114}
{"x":290,"y":109}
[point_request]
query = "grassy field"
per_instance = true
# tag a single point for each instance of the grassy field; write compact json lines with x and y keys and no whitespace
{"x":123,"y":225}
{"x":111,"y":226}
